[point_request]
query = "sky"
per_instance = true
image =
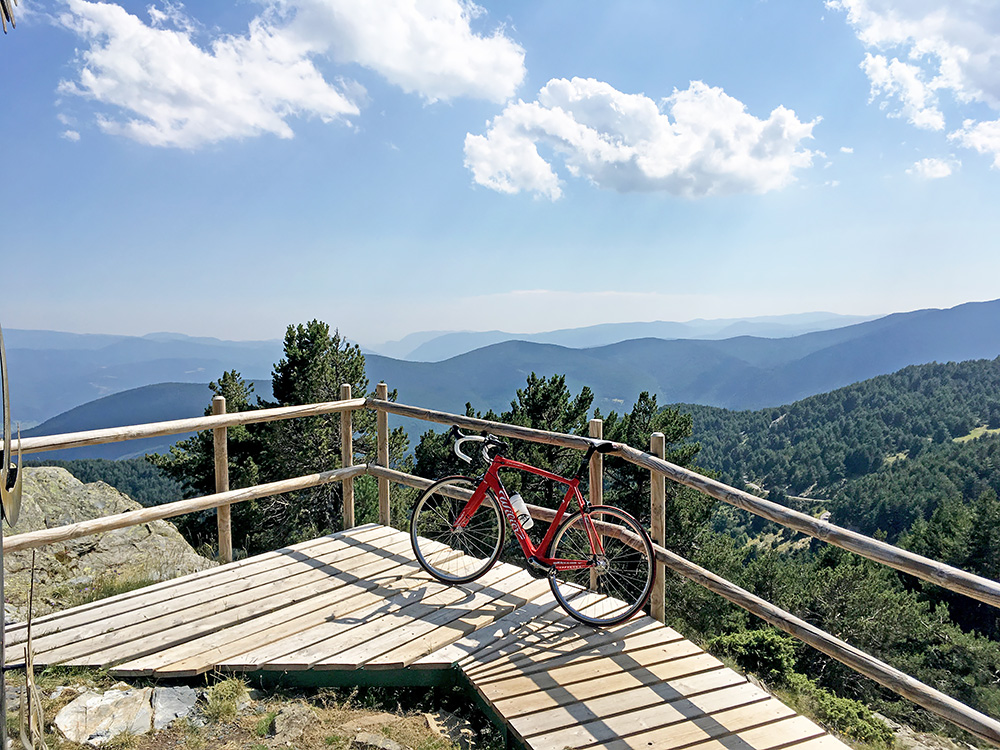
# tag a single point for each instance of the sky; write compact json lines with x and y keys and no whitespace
{"x":390,"y":166}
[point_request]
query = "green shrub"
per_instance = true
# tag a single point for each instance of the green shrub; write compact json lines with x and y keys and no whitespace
{"x":844,"y":716}
{"x":765,"y":653}
{"x":223,"y":699}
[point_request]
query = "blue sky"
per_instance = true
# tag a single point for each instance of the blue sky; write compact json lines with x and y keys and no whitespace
{"x":228,"y":168}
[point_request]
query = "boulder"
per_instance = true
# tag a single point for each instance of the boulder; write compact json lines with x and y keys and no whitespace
{"x":172,"y":703}
{"x":64,"y":571}
{"x":94,"y":718}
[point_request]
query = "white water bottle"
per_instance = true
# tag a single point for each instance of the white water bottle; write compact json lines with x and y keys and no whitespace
{"x":522,"y":511}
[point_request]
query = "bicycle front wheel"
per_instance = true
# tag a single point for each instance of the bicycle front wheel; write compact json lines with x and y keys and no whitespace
{"x":617,"y":583}
{"x":450,"y":554}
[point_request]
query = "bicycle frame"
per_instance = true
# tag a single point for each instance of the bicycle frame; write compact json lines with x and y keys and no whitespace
{"x":491,"y":481}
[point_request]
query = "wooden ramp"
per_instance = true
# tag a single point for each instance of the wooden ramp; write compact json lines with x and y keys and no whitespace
{"x":355,"y":606}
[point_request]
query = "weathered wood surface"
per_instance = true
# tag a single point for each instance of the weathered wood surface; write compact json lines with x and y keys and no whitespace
{"x":382,"y":454}
{"x":42,"y":537}
{"x":347,"y":454}
{"x":179,"y":426}
{"x":357,"y":600}
{"x":224,"y":517}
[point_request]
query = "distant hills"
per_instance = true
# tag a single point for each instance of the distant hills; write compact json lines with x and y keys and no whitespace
{"x":431,"y":346}
{"x":744,"y":372}
{"x":52,"y":372}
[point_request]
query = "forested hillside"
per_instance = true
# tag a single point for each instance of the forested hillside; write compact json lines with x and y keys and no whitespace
{"x":136,"y":477}
{"x":813,"y":446}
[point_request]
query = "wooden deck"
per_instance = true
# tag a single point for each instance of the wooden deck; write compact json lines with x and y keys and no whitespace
{"x":355,"y":606}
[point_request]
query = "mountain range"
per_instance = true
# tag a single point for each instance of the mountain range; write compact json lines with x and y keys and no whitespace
{"x":435,"y":346}
{"x":743,"y":372}
{"x":53,"y":371}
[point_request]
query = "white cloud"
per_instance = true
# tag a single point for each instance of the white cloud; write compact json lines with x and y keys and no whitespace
{"x":156,"y":84}
{"x":933,"y":169}
{"x":698,"y":142}
{"x":984,"y":137}
{"x":892,"y":78}
{"x":846,"y":150}
{"x":426,"y":47}
{"x":929,"y":48}
{"x":71,"y":135}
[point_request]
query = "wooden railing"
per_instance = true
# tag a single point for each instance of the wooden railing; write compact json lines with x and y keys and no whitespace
{"x":951,"y":578}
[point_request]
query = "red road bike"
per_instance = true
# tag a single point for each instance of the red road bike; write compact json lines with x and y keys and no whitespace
{"x":598,"y":561}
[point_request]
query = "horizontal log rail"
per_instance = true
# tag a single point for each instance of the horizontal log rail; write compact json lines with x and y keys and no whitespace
{"x":32,"y":539}
{"x":44,"y":443}
{"x":953,"y":579}
{"x":472,"y":423}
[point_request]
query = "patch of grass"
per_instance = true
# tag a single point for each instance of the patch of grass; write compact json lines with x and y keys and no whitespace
{"x":265,"y":725}
{"x":123,"y":741}
{"x":193,"y":739}
{"x":223,"y":699}
{"x":978,"y":432}
{"x":109,"y":584}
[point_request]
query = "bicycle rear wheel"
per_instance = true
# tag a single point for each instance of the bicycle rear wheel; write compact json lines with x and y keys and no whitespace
{"x":617,"y":584}
{"x":455,"y":555}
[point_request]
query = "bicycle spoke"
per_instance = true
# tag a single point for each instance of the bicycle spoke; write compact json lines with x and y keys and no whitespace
{"x":622,"y":576}
{"x":478,"y":543}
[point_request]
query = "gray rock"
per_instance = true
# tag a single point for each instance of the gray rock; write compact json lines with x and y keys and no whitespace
{"x":53,"y":497}
{"x":372,"y":741}
{"x":94,"y":718}
{"x":290,"y":723}
{"x":172,"y":703}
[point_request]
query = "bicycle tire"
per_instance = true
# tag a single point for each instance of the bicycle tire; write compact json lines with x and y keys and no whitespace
{"x":466,"y":553}
{"x":623,"y":577}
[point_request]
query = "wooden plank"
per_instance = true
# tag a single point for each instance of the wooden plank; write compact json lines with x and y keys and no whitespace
{"x":360,"y":601}
{"x":506,"y":630}
{"x":682,"y":675}
{"x":788,"y":733}
{"x":425,"y":642}
{"x":204,"y":653}
{"x":567,"y":675}
{"x":560,"y":642}
{"x":552,"y":623}
{"x":298,"y":651}
{"x":163,"y":625}
{"x":350,"y":649}
{"x":278,"y":583}
{"x":734,"y":703}
{"x":632,"y":651}
{"x":618,"y":695}
{"x":668,"y":729}
{"x":200,"y":581}
{"x":644,"y":633}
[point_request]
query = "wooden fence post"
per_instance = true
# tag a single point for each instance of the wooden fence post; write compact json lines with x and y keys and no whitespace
{"x":596,"y":481}
{"x":347,"y":455}
{"x":220,"y":438}
{"x":658,"y":521}
{"x":382,"y":430}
